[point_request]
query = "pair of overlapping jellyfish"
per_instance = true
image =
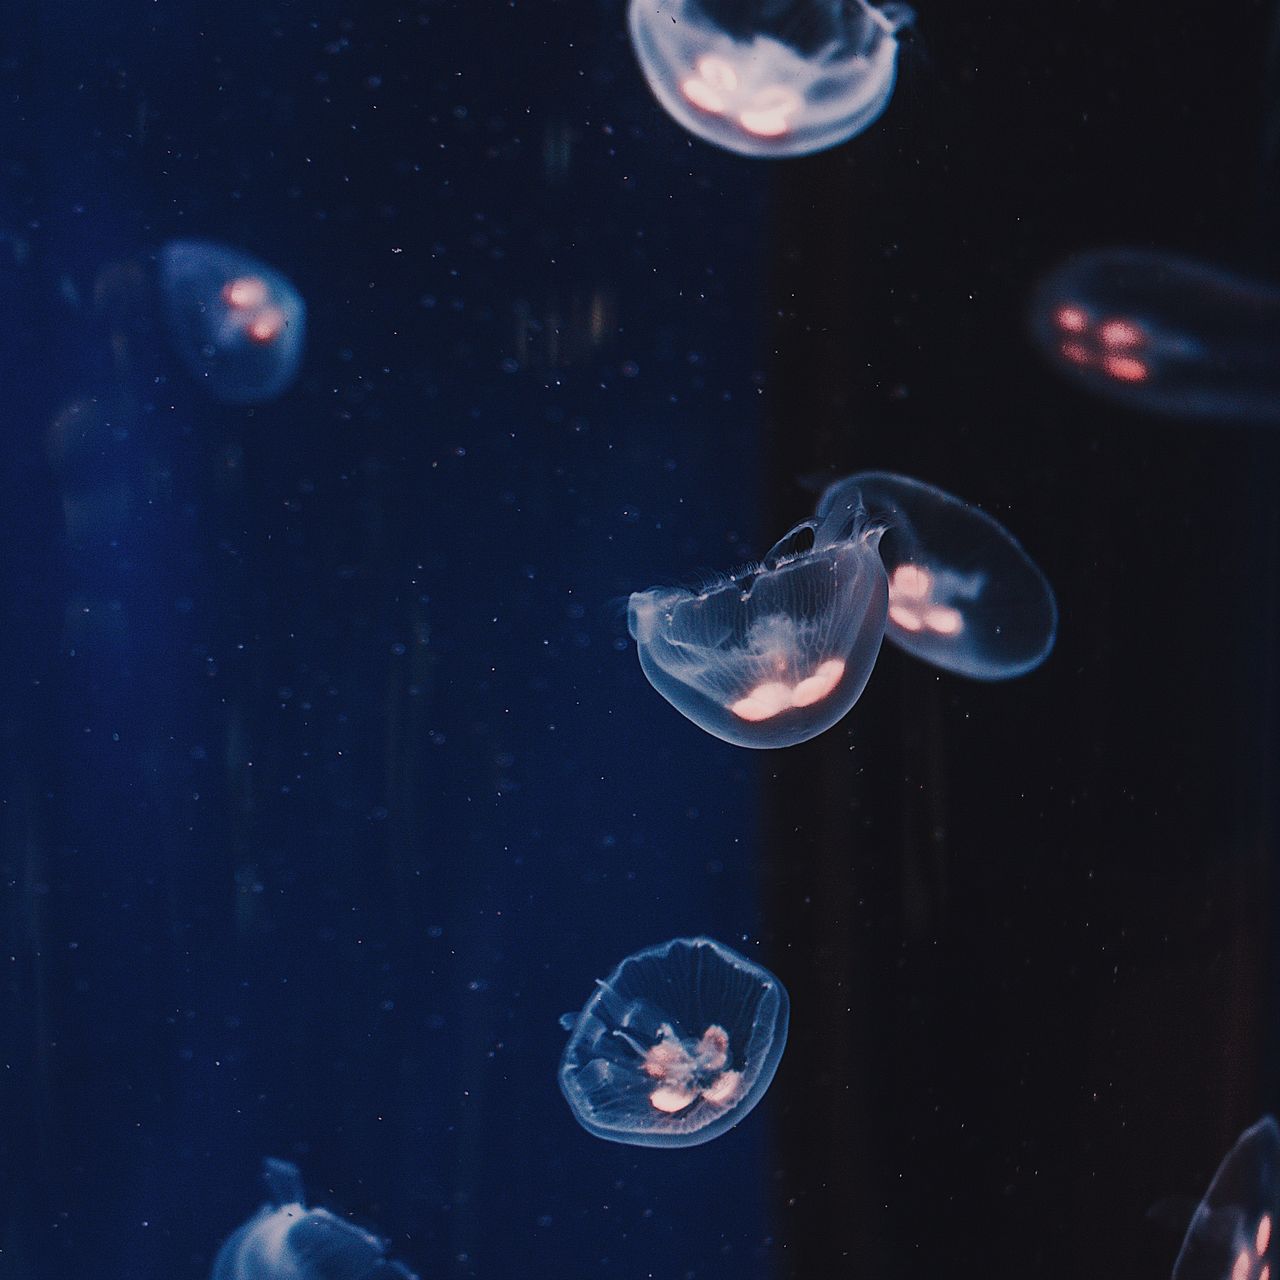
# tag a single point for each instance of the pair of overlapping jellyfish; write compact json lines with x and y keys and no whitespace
{"x":769,"y":77}
{"x":237,"y":325}
{"x":1164,"y":334}
{"x":778,"y":652}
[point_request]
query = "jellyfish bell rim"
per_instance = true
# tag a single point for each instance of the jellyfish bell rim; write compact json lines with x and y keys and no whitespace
{"x":733,"y":1116}
{"x":834,"y":497}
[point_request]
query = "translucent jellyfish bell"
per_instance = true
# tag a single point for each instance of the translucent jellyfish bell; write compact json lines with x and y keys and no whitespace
{"x":769,"y":77}
{"x":963,"y":595}
{"x":238,"y":326}
{"x":773,"y":654}
{"x":1163,"y":334}
{"x":285,"y":1240}
{"x":676,"y":1046}
{"x":1232,"y":1235}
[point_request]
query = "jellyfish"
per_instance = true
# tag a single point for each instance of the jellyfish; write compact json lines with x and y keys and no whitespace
{"x":285,"y":1240}
{"x":1234,"y":1227}
{"x":237,"y":325}
{"x":1163,"y":333}
{"x":963,"y":595}
{"x":774,"y":653}
{"x":675,"y":1046}
{"x":769,"y":77}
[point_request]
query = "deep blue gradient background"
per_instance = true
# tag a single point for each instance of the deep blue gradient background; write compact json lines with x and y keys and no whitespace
{"x":329,"y":780}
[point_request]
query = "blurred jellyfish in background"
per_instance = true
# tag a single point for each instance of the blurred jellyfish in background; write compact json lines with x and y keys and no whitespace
{"x":285,"y":1240}
{"x":1163,"y":333}
{"x":1233,"y":1231}
{"x":769,"y":77}
{"x":676,"y":1046}
{"x":237,"y":325}
{"x":963,"y":595}
{"x":777,"y":652}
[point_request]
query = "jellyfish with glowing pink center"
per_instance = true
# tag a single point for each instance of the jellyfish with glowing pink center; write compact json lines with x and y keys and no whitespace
{"x":676,"y":1046}
{"x":963,"y":594}
{"x":237,"y":325}
{"x":769,"y":77}
{"x":1233,"y":1229}
{"x":1163,"y":333}
{"x":774,"y":653}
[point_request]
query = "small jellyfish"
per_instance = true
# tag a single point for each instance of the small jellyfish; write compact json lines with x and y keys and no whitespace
{"x":1234,"y":1227}
{"x":1163,"y":333}
{"x":963,"y":595}
{"x":775,"y":653}
{"x":285,"y":1240}
{"x":675,"y":1046}
{"x":769,"y":77}
{"x":237,"y":325}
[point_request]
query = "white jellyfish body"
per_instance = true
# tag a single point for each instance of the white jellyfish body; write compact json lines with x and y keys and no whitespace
{"x":769,"y":78}
{"x":676,"y":1046}
{"x":963,"y":594}
{"x":1232,"y":1235}
{"x":773,"y":654}
{"x":238,"y":326}
{"x":285,"y":1240}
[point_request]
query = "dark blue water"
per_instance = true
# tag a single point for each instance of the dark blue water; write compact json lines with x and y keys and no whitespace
{"x":329,"y":778}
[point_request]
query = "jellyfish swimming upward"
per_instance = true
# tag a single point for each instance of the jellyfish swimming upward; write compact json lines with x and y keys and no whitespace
{"x":769,"y":77}
{"x":675,"y":1046}
{"x":1232,"y":1235}
{"x":285,"y":1240}
{"x":963,"y":595}
{"x":238,"y":326}
{"x":1163,"y":333}
{"x":777,"y":652}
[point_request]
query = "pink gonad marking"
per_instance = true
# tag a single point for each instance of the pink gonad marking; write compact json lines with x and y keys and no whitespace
{"x":1071,"y":319}
{"x":686,"y":1070}
{"x":715,"y":79}
{"x":775,"y":696}
{"x":1247,"y":1258}
{"x":1125,"y":368}
{"x":244,"y":292}
{"x":768,"y":115}
{"x":911,"y":604}
{"x":1120,"y":335}
{"x":266,"y":326}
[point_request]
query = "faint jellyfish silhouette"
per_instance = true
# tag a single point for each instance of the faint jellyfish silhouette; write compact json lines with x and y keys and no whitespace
{"x":769,"y":77}
{"x":963,"y":595}
{"x":238,"y":326}
{"x":676,"y":1046}
{"x":775,"y":653}
{"x":1233,"y":1229}
{"x":285,"y":1240}
{"x":1163,"y":333}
